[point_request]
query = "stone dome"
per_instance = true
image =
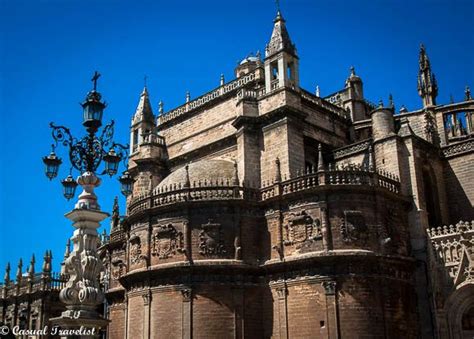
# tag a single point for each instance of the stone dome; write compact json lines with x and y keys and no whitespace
{"x":209,"y":170}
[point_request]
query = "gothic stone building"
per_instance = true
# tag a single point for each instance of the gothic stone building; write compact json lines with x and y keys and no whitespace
{"x":262,"y":210}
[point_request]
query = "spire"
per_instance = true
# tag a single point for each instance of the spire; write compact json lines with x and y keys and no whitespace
{"x":31,"y":269}
{"x":67,"y":251}
{"x":280,"y":39}
{"x":427,"y":84}
{"x":47,"y":262}
{"x":6,"y":278}
{"x":144,"y":111}
{"x":187,"y":182}
{"x":467,"y":93}
{"x":19,"y":271}
{"x":115,"y":219}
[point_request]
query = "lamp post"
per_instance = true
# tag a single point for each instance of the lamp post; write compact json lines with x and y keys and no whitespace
{"x":82,"y":293}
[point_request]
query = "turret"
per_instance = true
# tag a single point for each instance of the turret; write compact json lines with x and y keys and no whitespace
{"x":355,"y":102}
{"x":382,"y":122}
{"x":427,"y":84}
{"x":148,"y":150}
{"x":281,"y":60}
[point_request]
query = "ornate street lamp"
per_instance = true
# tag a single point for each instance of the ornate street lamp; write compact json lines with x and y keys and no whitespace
{"x":82,"y":292}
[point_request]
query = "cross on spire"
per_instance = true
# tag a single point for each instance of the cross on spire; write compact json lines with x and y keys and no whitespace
{"x":95,"y":78}
{"x":145,"y":78}
{"x":277,"y":3}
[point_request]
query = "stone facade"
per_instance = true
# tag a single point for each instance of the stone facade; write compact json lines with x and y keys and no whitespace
{"x":262,"y":210}
{"x":265,"y":211}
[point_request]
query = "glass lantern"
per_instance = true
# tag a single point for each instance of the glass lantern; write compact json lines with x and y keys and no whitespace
{"x":52,"y":163}
{"x":69,"y":187}
{"x":126,"y":182}
{"x":112,"y":161}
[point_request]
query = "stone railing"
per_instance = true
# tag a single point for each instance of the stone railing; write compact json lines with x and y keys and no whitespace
{"x":218,"y":189}
{"x":349,"y":175}
{"x":449,"y":244}
{"x":324,"y":104}
{"x":53,"y":282}
{"x":208,"y":97}
{"x":351,"y":149}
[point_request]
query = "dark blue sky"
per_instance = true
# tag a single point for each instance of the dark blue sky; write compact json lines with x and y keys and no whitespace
{"x":50,"y":48}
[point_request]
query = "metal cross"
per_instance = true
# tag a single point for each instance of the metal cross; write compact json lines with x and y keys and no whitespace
{"x":95,"y":78}
{"x":145,"y":78}
{"x":277,"y":2}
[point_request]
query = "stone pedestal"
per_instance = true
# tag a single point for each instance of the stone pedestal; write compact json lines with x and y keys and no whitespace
{"x":82,"y":294}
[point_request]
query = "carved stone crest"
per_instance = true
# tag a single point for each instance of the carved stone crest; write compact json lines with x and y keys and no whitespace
{"x":118,"y":268}
{"x":354,"y":227}
{"x":166,"y":241}
{"x":302,"y":228}
{"x":135,"y":250}
{"x":211,"y":242}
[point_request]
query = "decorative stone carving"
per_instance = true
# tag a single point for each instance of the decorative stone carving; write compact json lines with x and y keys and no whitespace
{"x":135,"y":250}
{"x":329,"y":287}
{"x":282,"y":292}
{"x":187,"y":294}
{"x":166,"y":242}
{"x":354,"y":227}
{"x":118,"y":268}
{"x":301,"y":229}
{"x":146,"y":298}
{"x":211,"y":242}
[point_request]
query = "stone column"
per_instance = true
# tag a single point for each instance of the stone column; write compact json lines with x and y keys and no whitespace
{"x":187,"y":313}
{"x":331,"y":308}
{"x":282,"y":294}
{"x":82,"y":293}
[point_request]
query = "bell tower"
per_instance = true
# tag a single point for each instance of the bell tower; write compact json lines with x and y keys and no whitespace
{"x":281,"y":60}
{"x":148,"y":154}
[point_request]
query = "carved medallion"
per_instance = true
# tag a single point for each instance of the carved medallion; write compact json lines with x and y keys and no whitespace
{"x":166,"y":241}
{"x":302,"y":228}
{"x":211,"y":242}
{"x":354,"y":227}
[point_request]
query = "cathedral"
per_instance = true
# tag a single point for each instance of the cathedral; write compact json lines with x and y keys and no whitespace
{"x":262,"y":210}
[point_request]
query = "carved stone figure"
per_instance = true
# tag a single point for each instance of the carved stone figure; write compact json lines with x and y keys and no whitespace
{"x":135,"y":249}
{"x":166,"y":241}
{"x":211,"y":242}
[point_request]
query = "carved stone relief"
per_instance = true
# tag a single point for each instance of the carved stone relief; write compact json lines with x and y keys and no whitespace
{"x":118,"y":268}
{"x":354,"y":227}
{"x":166,"y":241}
{"x":135,"y":249}
{"x":301,"y":229}
{"x":211,"y":239}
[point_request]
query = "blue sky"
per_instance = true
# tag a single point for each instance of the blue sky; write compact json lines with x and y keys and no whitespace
{"x":50,"y":48}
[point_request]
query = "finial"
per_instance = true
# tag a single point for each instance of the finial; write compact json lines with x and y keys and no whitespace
{"x":320,"y":158}
{"x":68,"y":249}
{"x":235,"y":177}
{"x":467,"y":92}
{"x":222,"y":81}
{"x":145,"y":78}
{"x":95,"y":78}
{"x":380,"y":103}
{"x":371,"y":158}
{"x":31,"y":270}
{"x":6,"y":278}
{"x":317,"y":91}
{"x":277,"y":170}
{"x":187,"y":182}
{"x":353,"y":73}
{"x":277,"y":3}
{"x":188,"y":96}
{"x":19,"y":270}
{"x":160,"y":107}
{"x":258,"y":55}
{"x":390,"y":101}
{"x":451,"y":99}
